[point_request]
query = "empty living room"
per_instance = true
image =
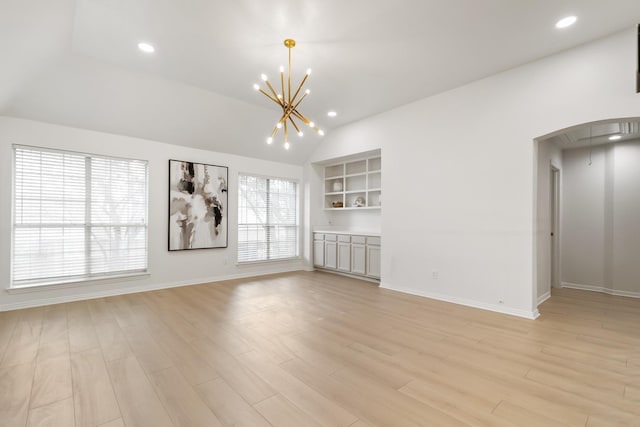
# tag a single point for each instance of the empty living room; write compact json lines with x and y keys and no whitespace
{"x":193,"y":228}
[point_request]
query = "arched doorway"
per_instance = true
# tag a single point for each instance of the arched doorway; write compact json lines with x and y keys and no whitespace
{"x":587,"y":196}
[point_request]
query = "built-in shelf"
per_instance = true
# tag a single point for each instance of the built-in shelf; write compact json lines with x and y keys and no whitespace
{"x":356,"y":184}
{"x":352,"y":209}
{"x":355,"y":174}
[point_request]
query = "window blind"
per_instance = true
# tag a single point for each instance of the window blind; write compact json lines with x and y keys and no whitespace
{"x":77,"y":216}
{"x":267,"y":218}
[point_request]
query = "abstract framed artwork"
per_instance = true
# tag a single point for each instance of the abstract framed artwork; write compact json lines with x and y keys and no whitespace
{"x":198,"y":211}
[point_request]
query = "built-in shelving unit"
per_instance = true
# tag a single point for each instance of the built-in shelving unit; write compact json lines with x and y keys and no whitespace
{"x":355,"y":184}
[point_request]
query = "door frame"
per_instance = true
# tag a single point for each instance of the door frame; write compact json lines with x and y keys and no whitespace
{"x":554,"y":222}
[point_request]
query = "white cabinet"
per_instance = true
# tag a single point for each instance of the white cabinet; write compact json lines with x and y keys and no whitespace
{"x":358,"y":256}
{"x":373,"y":257}
{"x":318,"y":250}
{"x":353,"y":185}
{"x":330,"y":251}
{"x":345,"y":253}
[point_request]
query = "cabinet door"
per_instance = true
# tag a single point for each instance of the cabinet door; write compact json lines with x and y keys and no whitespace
{"x":344,"y":256}
{"x":373,"y":261}
{"x":358,"y":255}
{"x":330,"y":254}
{"x":318,"y":253}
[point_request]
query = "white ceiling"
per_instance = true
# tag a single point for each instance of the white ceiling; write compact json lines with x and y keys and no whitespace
{"x":76,"y":62}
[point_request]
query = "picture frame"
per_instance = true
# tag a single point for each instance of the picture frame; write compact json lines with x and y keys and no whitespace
{"x":198,"y":206}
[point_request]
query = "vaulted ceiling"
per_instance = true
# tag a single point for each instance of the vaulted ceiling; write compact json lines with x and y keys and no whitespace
{"x":76,"y":62}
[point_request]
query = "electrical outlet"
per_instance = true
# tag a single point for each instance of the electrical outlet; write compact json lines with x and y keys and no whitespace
{"x":435,"y":274}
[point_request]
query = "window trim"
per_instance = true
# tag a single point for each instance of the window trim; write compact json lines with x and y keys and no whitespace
{"x":298,"y":257}
{"x":97,"y":280}
{"x":71,"y":281}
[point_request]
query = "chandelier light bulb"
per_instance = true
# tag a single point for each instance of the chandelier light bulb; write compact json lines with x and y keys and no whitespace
{"x":269,"y":140}
{"x":282,"y":68}
{"x":321,"y":132}
{"x":312,"y":125}
{"x":279,"y":125}
{"x":263,"y":77}
{"x":286,"y":145}
{"x":300,"y":134}
{"x":308,"y":71}
{"x":279,"y":96}
{"x":256,"y":87}
{"x":308,"y":91}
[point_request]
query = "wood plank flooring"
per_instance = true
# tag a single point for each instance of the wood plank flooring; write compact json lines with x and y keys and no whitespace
{"x":315,"y":349}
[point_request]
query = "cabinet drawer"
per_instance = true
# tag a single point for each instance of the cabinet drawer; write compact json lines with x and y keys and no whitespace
{"x":318,"y":236}
{"x":330,"y":237}
{"x":344,"y":238}
{"x":373,"y":241}
{"x":361,"y":240}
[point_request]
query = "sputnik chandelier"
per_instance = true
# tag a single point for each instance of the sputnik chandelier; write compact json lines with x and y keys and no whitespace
{"x":288,"y":101}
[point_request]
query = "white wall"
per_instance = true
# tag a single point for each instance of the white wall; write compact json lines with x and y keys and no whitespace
{"x":365,"y":220}
{"x":583,"y":227}
{"x":601,"y":231}
{"x":166,"y":268}
{"x":626,"y":223}
{"x":459,"y":172}
{"x":548,"y":155}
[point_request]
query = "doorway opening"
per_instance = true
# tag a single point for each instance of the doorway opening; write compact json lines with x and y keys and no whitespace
{"x":587,"y":195}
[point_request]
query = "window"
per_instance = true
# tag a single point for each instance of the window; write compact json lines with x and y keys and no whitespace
{"x":267,"y":218}
{"x":77,"y":216}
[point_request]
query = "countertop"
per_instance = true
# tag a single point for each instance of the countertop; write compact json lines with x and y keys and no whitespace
{"x":350,"y":232}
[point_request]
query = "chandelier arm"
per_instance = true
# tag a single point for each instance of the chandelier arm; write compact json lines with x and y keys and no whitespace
{"x":281,"y":102}
{"x":301,"y":117}
{"x":288,"y":111}
{"x":277,"y":101}
{"x":304,"y":120}
{"x":284,"y":116}
{"x":275,"y":131}
{"x":294,"y":124}
{"x":298,"y":103}
{"x":289,"y":76}
{"x":282,"y":81}
{"x":286,"y":135}
{"x":295,"y":95}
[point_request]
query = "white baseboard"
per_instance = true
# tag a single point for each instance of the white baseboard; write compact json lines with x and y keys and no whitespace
{"x":143,"y":288}
{"x":345,"y":274}
{"x":542,"y":298}
{"x":601,"y":289}
{"x":469,"y":303}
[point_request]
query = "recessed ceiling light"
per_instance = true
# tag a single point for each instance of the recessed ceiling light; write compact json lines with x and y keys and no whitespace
{"x":146,"y":47}
{"x":615,"y":137}
{"x":566,"y":22}
{"x":332,"y":114}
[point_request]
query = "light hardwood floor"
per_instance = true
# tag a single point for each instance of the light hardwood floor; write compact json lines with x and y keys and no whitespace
{"x":315,"y":349}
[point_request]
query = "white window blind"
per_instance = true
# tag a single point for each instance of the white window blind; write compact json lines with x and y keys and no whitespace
{"x":77,"y":216}
{"x":267,"y":218}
